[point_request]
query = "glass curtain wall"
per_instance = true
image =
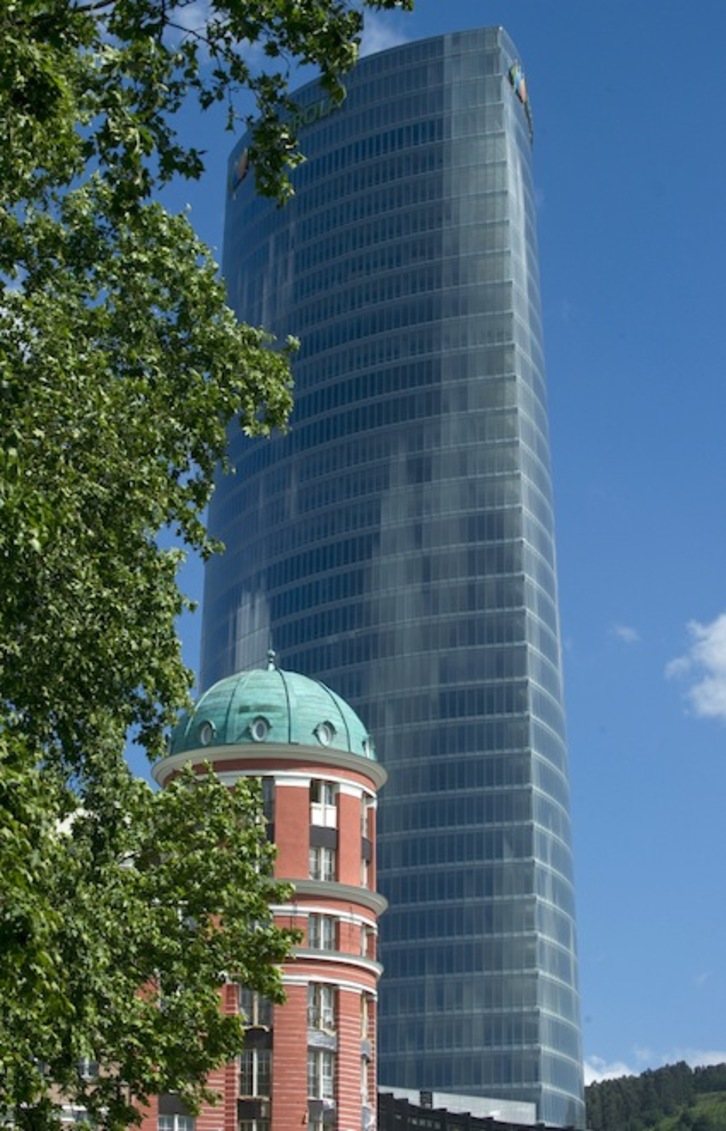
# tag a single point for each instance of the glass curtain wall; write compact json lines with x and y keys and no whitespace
{"x":398,"y":544}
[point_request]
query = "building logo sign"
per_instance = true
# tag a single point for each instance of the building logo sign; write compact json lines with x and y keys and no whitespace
{"x":240,"y":169}
{"x":315,"y":111}
{"x":304,"y":117}
{"x":518,"y":84}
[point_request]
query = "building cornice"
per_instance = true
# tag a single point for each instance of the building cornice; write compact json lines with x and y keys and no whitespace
{"x":269,"y":754}
{"x":345,"y":915}
{"x":324,"y":979}
{"x":343,"y":893}
{"x":338,"y":958}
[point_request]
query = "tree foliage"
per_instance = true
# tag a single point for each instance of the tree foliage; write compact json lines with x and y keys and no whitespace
{"x":120,"y":363}
{"x":121,"y":369}
{"x":673,"y":1098}
{"x":101,"y":80}
{"x":126,"y":919}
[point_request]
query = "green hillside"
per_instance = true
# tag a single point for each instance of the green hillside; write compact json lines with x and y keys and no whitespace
{"x":674,"y":1098}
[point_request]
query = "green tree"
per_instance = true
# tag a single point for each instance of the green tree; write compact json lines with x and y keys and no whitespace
{"x":122,"y":911}
{"x":102,"y":80}
{"x":125,"y":921}
{"x":703,"y":1122}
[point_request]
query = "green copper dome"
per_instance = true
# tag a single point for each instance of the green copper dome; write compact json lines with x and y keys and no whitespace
{"x":271,"y":706}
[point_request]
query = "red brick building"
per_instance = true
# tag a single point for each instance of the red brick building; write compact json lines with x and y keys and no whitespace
{"x":310,"y":1063}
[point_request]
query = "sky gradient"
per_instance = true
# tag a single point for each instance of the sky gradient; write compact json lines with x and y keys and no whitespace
{"x":629,"y":167}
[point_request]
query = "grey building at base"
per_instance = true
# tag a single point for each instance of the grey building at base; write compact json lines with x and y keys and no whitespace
{"x":398,"y":543}
{"x":479,"y":1110}
{"x":430,"y":1111}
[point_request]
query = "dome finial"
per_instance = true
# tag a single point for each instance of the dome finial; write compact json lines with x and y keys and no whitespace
{"x":271,"y":665}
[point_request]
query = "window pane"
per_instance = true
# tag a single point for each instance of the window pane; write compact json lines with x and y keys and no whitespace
{"x":321,"y":1006}
{"x":255,"y":1073}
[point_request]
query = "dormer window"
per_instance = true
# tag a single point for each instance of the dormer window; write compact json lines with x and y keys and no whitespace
{"x":206,"y":732}
{"x":325,"y":733}
{"x":259,"y":729}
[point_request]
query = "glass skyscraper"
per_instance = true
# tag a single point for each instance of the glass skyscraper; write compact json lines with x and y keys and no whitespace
{"x":397,"y":543}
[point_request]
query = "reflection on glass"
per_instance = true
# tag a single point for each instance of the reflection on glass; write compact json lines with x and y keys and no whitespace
{"x":398,"y":543}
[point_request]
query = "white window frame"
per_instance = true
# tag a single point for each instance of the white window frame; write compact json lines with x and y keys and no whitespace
{"x":175,"y":1123}
{"x":323,"y":803}
{"x":323,"y":863}
{"x":364,"y":1081}
{"x":322,"y":931}
{"x":256,"y":1009}
{"x":366,"y":1002}
{"x":267,"y":785}
{"x":321,"y":1074}
{"x":322,"y":1006}
{"x":367,"y":941}
{"x":365,"y":817}
{"x":255,"y":1068}
{"x":87,"y":1068}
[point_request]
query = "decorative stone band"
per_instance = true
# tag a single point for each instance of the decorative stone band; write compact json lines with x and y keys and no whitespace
{"x":342,"y":984}
{"x":339,"y":958}
{"x":292,"y":778}
{"x":264,"y":756}
{"x":302,"y":910}
{"x":344,"y":893}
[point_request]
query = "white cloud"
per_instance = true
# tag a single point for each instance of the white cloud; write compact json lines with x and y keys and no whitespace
{"x":380,"y":29}
{"x":596,"y":1068}
{"x":380,"y":33}
{"x":696,"y":1057}
{"x":704,"y":665}
{"x":190,"y":17}
{"x":678,"y":667}
{"x":626,"y":633}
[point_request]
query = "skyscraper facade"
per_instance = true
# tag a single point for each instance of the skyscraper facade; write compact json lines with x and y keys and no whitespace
{"x":398,"y":543}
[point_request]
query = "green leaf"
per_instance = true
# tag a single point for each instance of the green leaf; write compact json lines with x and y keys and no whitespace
{"x":121,"y":371}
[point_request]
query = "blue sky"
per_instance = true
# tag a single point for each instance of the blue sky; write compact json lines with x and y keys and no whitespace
{"x":630,"y":167}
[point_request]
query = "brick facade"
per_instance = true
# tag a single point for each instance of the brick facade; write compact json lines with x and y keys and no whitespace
{"x":321,"y":1043}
